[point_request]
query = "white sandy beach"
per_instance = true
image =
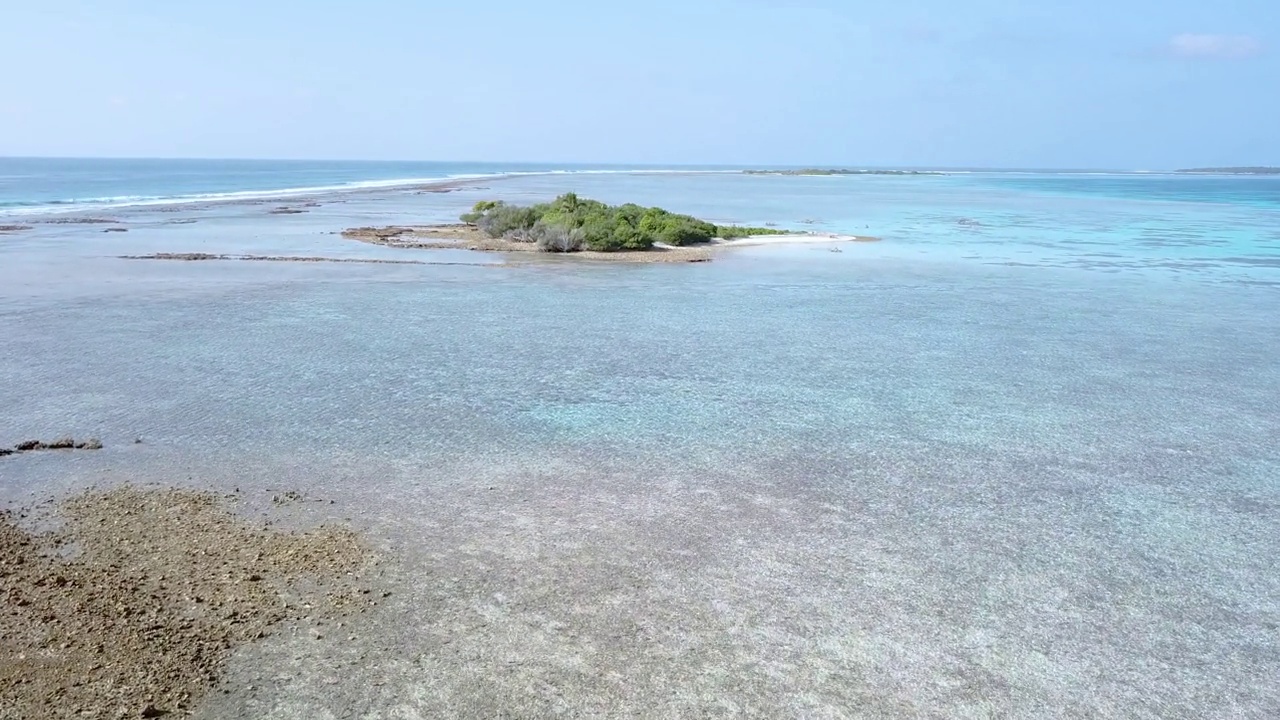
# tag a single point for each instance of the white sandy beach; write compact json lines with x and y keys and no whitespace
{"x":793,"y":239}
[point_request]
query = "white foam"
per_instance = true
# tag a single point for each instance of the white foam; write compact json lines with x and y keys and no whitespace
{"x":99,"y":204}
{"x":76,"y":205}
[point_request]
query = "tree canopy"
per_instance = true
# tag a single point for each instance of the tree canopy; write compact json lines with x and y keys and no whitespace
{"x":570,"y":223}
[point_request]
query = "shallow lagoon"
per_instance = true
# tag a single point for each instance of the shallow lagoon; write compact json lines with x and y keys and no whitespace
{"x":1024,"y":467}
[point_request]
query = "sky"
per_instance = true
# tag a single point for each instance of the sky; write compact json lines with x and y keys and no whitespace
{"x":1121,"y":84}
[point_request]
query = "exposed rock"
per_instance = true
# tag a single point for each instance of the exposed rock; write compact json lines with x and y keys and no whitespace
{"x":63,"y":443}
{"x":289,"y":496}
{"x":139,"y":621}
{"x":376,"y":235}
{"x":283,"y":258}
{"x":176,"y":256}
{"x":116,"y":229}
{"x":283,"y":210}
{"x":13,"y":228}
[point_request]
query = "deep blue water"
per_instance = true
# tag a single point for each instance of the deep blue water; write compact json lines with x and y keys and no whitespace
{"x":1260,"y":191}
{"x":1017,"y":459}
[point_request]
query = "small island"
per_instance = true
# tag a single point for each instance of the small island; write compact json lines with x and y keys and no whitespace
{"x":1233,"y":171}
{"x":572,"y":224}
{"x":840,"y":171}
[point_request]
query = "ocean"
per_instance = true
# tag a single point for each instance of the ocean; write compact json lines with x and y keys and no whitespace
{"x":72,"y":184}
{"x":1019,"y":458}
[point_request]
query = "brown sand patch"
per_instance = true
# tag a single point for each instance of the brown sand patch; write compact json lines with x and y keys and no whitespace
{"x":407,"y":236}
{"x":469,"y":237}
{"x":132,"y":607}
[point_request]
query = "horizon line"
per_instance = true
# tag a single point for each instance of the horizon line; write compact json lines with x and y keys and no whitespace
{"x":647,"y":165}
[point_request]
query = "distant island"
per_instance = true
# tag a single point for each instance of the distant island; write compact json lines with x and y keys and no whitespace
{"x":571,"y":224}
{"x":1234,"y":171}
{"x":840,"y":171}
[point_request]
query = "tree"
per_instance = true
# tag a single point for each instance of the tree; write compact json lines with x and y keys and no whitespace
{"x":570,"y":223}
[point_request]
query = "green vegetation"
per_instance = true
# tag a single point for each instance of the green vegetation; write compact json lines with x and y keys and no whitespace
{"x":570,"y":223}
{"x":839,"y":171}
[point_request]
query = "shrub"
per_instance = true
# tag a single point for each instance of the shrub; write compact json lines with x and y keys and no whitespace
{"x":570,"y":223}
{"x":502,"y":220}
{"x":479,"y":210}
{"x":556,"y":237}
{"x":736,"y":231}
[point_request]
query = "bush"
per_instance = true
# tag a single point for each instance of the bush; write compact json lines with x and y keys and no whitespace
{"x":570,"y":223}
{"x":556,"y":237}
{"x":479,"y":210}
{"x":504,"y":220}
{"x":736,"y":231}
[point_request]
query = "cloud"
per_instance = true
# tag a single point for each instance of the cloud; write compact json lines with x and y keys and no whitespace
{"x":1192,"y":46}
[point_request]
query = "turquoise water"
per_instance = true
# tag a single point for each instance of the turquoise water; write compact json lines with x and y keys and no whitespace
{"x":76,"y":184}
{"x":1017,"y":459}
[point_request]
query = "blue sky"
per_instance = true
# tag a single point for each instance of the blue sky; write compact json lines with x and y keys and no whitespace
{"x":994,"y":83}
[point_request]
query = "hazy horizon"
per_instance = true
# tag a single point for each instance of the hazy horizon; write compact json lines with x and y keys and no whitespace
{"x":1138,"y":84}
{"x":629,"y":165}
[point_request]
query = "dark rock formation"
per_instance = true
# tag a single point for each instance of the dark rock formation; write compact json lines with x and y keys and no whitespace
{"x":62,"y":443}
{"x":281,"y":258}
